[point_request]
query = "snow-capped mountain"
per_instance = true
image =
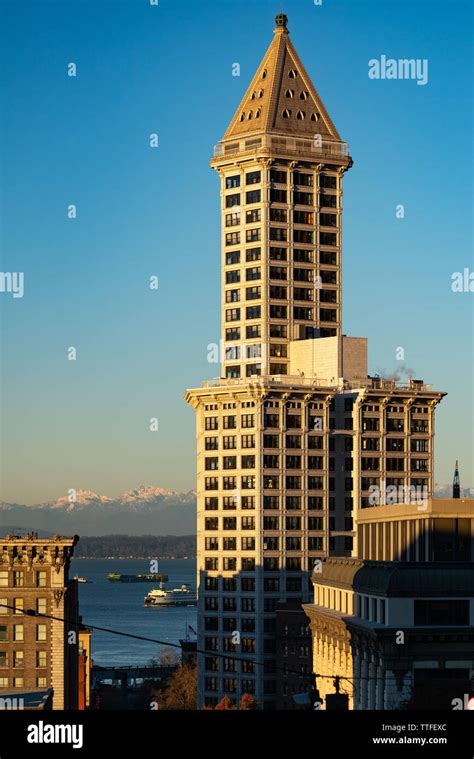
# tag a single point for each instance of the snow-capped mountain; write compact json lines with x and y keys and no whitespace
{"x":446,"y":491}
{"x":143,"y":510}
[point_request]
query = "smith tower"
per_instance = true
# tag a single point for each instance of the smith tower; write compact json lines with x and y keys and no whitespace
{"x":294,"y":437}
{"x":280,"y":163}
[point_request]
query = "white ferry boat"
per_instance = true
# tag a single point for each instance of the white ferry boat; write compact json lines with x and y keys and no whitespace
{"x":182,"y":596}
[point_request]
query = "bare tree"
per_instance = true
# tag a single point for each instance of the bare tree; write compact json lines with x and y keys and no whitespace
{"x":181,"y":689}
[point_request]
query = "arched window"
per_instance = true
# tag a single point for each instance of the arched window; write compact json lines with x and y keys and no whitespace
{"x":292,"y":74}
{"x":301,"y":115}
{"x":315,"y":117}
{"x":290,"y":93}
{"x":286,"y":113}
{"x":304,"y":95}
{"x":242,"y":116}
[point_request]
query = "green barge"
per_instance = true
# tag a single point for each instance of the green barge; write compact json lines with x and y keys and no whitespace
{"x":152,"y":577}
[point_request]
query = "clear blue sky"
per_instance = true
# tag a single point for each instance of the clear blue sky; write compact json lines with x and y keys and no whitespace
{"x":143,"y":212}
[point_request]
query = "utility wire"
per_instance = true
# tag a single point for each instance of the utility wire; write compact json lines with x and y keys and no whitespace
{"x":213,"y":654}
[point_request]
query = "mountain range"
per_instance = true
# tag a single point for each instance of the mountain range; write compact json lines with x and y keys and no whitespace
{"x":143,"y":511}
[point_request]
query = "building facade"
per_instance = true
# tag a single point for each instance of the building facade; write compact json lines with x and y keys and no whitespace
{"x":37,"y":652}
{"x":294,"y":437}
{"x":397,"y":624}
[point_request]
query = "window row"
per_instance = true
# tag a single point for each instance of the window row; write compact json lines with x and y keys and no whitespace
{"x":16,"y":659}
{"x":16,"y":578}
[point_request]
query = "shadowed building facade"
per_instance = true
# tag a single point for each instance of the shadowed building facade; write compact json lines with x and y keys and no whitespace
{"x":397,"y":624}
{"x":294,"y":437}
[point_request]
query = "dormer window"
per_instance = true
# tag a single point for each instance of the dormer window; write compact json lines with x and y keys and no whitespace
{"x":315,"y":117}
{"x":250,"y":116}
{"x":301,"y":115}
{"x":286,"y":113}
{"x":304,"y":95}
{"x":257,"y":113}
{"x":260,"y":94}
{"x":264,"y":74}
{"x":289,"y":93}
{"x":253,"y":96}
{"x":293,"y":74}
{"x":242,"y":117}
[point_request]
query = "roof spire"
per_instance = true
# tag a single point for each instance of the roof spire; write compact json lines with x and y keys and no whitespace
{"x":281,"y":22}
{"x":456,"y":483}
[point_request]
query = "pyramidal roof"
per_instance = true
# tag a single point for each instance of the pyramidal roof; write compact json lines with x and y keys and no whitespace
{"x":281,"y":97}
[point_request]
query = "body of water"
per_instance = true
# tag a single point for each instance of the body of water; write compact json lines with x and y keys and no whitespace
{"x":119,"y":606}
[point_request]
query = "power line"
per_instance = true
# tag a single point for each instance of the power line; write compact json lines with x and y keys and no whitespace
{"x":215,"y":654}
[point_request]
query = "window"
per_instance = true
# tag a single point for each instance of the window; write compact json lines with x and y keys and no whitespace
{"x":254,"y":177}
{"x":253,"y":273}
{"x":292,"y":74}
{"x":303,"y":217}
{"x":18,"y":659}
{"x":3,"y":632}
{"x":328,"y":181}
{"x":19,"y":605}
{"x":232,"y":314}
{"x":232,"y":219}
{"x":41,"y":682}
{"x":303,"y":236}
{"x":232,"y":258}
{"x":253,"y":312}
{"x":278,"y":234}
{"x":41,"y":658}
{"x":253,"y":235}
{"x":18,"y":579}
{"x":231,"y":277}
{"x":303,"y":198}
{"x":3,"y":580}
{"x":441,"y":613}
{"x":232,"y":334}
{"x":278,"y":214}
{"x":278,"y":196}
{"x":232,"y":182}
{"x":232,"y":200}
{"x":253,"y":293}
{"x":279,"y":176}
{"x":18,"y":632}
{"x":18,"y":682}
{"x":252,"y":254}
{"x":251,"y":217}
{"x":328,"y":220}
{"x":232,"y":238}
{"x":253,"y":196}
